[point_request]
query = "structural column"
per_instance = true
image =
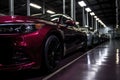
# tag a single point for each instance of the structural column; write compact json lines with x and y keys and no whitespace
{"x":11,"y":7}
{"x":28,"y":7}
{"x":96,"y":25}
{"x":43,"y":9}
{"x":83,"y":16}
{"x":72,"y":8}
{"x":63,"y":6}
{"x":92,"y":22}
{"x":87,"y":23}
{"x":83,"y":4}
{"x":117,"y":20}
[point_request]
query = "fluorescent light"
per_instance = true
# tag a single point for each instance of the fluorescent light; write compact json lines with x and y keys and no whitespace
{"x":95,"y":16}
{"x":86,"y":25}
{"x":77,"y":23}
{"x":100,"y":21}
{"x":92,"y":13}
{"x":103,"y":24}
{"x":91,"y":28}
{"x":50,"y":12}
{"x":97,"y":19}
{"x":82,"y":3}
{"x":35,"y":5}
{"x":117,"y":26}
{"x":88,"y":9}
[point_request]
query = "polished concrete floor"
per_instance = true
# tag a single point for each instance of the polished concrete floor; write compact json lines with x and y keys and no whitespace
{"x":100,"y":63}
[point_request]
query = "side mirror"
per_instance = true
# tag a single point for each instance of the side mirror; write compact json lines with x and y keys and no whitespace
{"x":70,"y":22}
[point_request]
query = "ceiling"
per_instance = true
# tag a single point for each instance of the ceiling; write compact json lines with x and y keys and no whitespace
{"x":103,"y":9}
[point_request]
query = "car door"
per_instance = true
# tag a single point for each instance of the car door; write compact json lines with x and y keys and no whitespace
{"x":71,"y":36}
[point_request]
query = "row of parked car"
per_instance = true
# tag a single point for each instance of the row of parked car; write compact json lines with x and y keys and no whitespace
{"x":94,"y":37}
{"x":33,"y":43}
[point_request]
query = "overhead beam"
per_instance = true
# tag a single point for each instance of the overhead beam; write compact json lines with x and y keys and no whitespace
{"x":106,"y":8}
{"x":108,"y":13}
{"x":103,"y":2}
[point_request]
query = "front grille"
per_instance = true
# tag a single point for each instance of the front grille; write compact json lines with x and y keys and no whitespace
{"x":6,"y":51}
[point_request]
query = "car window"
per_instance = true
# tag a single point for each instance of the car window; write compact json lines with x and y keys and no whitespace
{"x":63,"y":21}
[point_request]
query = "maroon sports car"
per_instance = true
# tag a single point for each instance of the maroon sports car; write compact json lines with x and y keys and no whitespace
{"x":29,"y":43}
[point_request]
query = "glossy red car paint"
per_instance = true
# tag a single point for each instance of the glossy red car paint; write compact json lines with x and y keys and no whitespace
{"x":29,"y":43}
{"x":19,"y":51}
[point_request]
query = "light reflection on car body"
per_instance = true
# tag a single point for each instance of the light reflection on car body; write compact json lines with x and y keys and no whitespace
{"x":24,"y":40}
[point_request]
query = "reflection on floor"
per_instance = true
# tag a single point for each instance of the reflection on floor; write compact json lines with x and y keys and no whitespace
{"x":100,"y":63}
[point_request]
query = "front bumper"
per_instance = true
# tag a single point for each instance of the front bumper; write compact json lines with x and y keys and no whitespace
{"x":17,"y":67}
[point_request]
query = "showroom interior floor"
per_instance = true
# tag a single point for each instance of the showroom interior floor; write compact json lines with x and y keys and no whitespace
{"x":100,"y":63}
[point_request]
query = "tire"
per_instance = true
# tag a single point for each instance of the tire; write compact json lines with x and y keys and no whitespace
{"x":53,"y":52}
{"x":85,"y":46}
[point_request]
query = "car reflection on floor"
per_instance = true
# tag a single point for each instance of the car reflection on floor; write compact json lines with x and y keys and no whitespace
{"x":85,"y":67}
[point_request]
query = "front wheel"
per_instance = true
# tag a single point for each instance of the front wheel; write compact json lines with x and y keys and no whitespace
{"x":53,"y":52}
{"x":84,"y":48}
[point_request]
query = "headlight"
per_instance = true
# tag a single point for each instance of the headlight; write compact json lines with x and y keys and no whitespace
{"x":17,"y":28}
{"x":24,"y":29}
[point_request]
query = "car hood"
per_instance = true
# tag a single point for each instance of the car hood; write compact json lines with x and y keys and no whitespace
{"x":23,"y":19}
